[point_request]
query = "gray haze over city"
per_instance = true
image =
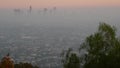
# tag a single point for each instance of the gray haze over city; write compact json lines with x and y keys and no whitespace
{"x":40,"y":35}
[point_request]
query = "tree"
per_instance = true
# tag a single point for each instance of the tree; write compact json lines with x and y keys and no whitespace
{"x":7,"y":62}
{"x":102,"y":49}
{"x":70,"y":60}
{"x":99,"y":50}
{"x":25,"y":65}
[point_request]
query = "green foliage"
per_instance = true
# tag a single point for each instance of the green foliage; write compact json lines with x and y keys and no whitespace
{"x":103,"y":48}
{"x":24,"y":65}
{"x":70,"y":60}
{"x":99,"y":50}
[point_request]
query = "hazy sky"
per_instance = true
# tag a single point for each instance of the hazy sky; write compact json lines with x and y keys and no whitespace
{"x":58,"y":3}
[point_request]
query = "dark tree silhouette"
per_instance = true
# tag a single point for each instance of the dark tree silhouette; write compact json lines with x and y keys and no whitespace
{"x":99,"y":50}
{"x":102,"y":48}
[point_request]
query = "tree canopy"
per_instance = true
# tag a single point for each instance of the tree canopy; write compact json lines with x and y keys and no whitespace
{"x":101,"y":49}
{"x":24,"y":65}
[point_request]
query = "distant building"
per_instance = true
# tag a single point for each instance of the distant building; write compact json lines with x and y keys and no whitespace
{"x":45,"y":9}
{"x":7,"y":62}
{"x":17,"y":10}
{"x":54,"y":8}
{"x":30,"y":8}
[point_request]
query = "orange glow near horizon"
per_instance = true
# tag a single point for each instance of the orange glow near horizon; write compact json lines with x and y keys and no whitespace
{"x":57,"y":3}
